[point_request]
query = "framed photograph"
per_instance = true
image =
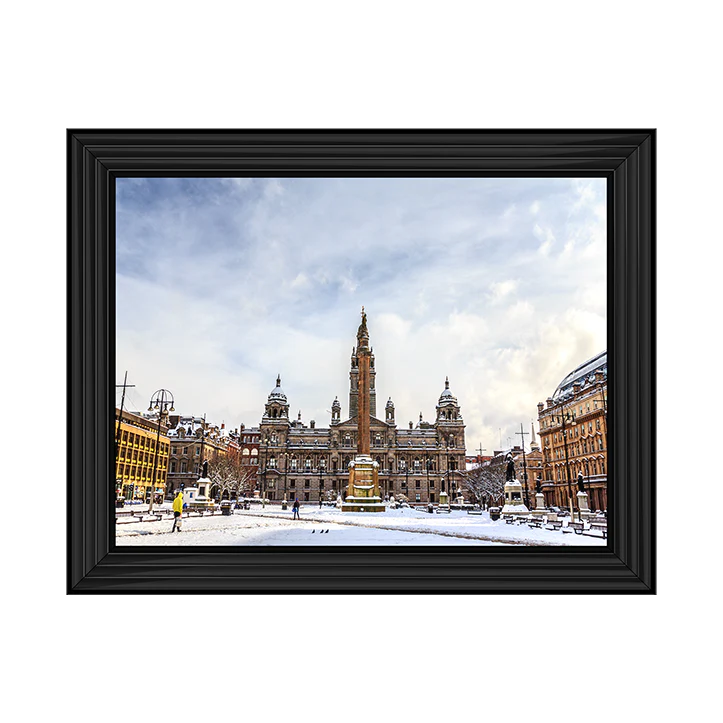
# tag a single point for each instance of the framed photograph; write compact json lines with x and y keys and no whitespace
{"x":361,"y":361}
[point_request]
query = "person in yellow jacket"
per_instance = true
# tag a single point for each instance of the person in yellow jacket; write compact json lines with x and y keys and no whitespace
{"x":177,"y":511}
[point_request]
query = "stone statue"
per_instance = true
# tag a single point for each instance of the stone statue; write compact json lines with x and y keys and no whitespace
{"x":205,"y":470}
{"x":510,"y":467}
{"x":538,"y":484}
{"x":580,"y":482}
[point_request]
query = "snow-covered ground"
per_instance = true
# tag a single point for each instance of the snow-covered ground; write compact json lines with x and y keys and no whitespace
{"x":274,"y":526}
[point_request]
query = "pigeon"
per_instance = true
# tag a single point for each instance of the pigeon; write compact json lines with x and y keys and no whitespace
{"x":313,"y":531}
{"x":326,"y":530}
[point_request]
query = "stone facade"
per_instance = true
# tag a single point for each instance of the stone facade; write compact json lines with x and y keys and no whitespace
{"x":308,"y":462}
{"x":193,"y":441}
{"x":573,"y":435}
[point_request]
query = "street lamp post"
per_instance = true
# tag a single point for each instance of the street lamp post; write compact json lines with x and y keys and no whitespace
{"x":285,"y":455}
{"x":263,"y":472}
{"x":321,"y":480}
{"x":162,"y":400}
{"x":199,"y":466}
{"x":562,"y":419}
{"x":428,"y":463}
{"x":406,"y":474}
{"x":522,"y":433}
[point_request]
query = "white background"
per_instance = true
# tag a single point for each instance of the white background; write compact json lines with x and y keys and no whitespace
{"x":373,"y":64}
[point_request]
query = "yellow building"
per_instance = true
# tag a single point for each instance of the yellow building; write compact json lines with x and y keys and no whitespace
{"x":135,"y":456}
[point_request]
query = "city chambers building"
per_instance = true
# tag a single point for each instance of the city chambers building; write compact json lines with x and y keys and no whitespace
{"x":310,"y":463}
{"x":573,"y":434}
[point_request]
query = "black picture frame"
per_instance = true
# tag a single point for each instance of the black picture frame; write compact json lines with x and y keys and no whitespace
{"x":626,"y":158}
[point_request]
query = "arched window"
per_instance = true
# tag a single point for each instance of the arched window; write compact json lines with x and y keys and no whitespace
{"x":307,"y":464}
{"x":347,"y":440}
{"x":451,"y":441}
{"x":293,"y":463}
{"x":417,"y":464}
{"x":274,"y":438}
{"x":377,"y":440}
{"x":272,"y":462}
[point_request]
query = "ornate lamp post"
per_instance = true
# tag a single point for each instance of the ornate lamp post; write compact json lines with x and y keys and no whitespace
{"x":321,"y":480}
{"x":262,"y":484}
{"x":286,"y":456}
{"x":524,"y":465}
{"x":407,"y":491}
{"x":569,"y":418}
{"x":428,"y":462}
{"x":162,"y":400}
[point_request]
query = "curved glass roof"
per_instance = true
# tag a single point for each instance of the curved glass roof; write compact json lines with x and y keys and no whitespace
{"x":582,"y":374}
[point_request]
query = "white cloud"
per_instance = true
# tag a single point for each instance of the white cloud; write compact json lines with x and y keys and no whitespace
{"x":224,"y":284}
{"x":500,"y":290}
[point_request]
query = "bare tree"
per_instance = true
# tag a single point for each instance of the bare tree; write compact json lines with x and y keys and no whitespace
{"x":486,"y":482}
{"x":229,"y":475}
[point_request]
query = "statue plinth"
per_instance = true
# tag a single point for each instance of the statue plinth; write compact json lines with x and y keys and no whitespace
{"x":540,"y":509}
{"x":583,"y":505}
{"x":363,"y":491}
{"x":514,"y":504}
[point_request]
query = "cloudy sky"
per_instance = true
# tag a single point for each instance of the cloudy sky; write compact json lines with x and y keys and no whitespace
{"x":499,"y":284}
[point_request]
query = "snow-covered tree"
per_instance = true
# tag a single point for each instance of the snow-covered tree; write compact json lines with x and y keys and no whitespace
{"x":229,"y":475}
{"x":486,"y":482}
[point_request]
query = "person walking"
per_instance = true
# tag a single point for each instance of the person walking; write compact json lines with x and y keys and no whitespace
{"x":296,"y":509}
{"x":177,"y":511}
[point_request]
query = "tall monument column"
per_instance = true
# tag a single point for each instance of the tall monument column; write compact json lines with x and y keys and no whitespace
{"x":363,"y":491}
{"x":363,"y":355}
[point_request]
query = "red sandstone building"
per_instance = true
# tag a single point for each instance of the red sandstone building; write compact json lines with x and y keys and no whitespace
{"x":573,"y":434}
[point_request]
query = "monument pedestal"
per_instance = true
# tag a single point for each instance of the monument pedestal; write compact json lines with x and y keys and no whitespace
{"x":443,"y":499}
{"x":583,"y":505}
{"x":540,"y":509}
{"x":513,"y":499}
{"x":363,"y":492}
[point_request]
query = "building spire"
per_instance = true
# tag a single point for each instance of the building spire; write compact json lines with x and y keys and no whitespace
{"x":278,"y":380}
{"x":446,"y":382}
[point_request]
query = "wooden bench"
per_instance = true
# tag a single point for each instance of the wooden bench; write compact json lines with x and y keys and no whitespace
{"x":602,"y":527}
{"x":534,"y":523}
{"x":474,"y":512}
{"x":443,"y":510}
{"x":554,"y":525}
{"x":510,"y":520}
{"x":578,"y":527}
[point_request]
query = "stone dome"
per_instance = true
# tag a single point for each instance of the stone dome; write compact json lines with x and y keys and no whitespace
{"x":277,"y":393}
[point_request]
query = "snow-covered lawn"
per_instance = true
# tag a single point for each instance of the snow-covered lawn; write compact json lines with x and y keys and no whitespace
{"x":274,"y":526}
